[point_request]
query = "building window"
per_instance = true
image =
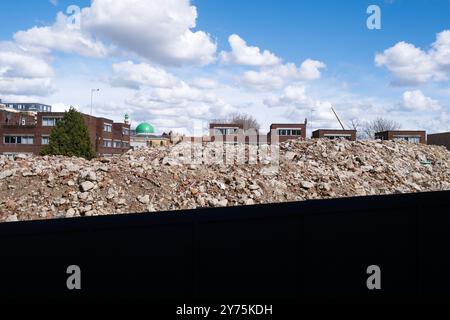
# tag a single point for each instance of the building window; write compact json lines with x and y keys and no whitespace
{"x":289,"y":132}
{"x":50,"y":122}
{"x":117,"y":144}
{"x":126,"y":131}
{"x":45,"y":140}
{"x":338,"y":136}
{"x":412,"y":139}
{"x":124,"y":144}
{"x":107,"y":127}
{"x":18,"y":140}
{"x":107,"y":143}
{"x":226,"y":131}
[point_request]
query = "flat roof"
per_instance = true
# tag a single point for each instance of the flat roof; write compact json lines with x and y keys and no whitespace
{"x":334,"y":130}
{"x":400,"y":131}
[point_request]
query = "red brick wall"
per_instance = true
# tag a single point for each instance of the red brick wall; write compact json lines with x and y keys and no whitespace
{"x":322,"y":132}
{"x":275,"y":126}
{"x":439,"y":139}
{"x":391,"y":135}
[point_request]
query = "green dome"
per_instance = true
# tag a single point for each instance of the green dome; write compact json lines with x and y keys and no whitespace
{"x":144,"y":128}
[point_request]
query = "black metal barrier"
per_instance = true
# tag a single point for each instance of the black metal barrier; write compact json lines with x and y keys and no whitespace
{"x":319,"y":248}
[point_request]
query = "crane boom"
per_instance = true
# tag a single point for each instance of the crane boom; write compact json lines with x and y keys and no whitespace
{"x":338,"y":118}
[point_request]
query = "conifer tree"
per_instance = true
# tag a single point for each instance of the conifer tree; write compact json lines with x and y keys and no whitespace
{"x":70,"y":137}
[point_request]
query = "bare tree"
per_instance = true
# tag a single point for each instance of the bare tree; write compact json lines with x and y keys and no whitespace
{"x":379,"y":125}
{"x":246,"y":120}
{"x":355,"y":124}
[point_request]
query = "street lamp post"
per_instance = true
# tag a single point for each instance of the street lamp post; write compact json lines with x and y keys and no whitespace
{"x":92,"y":94}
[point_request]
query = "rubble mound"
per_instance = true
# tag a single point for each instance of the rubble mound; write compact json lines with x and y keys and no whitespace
{"x":172,"y":177}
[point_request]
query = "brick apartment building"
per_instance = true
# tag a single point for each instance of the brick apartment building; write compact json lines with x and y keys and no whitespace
{"x":335,"y":134}
{"x":232,"y":133}
{"x":227,"y":131}
{"x":439,"y":139}
{"x":28,"y":132}
{"x":287,"y":131}
{"x":416,"y":136}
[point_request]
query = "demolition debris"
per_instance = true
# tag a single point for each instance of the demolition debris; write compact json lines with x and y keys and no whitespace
{"x":189,"y":176}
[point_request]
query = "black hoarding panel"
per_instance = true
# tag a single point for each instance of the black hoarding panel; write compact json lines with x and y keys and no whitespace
{"x":318,"y":248}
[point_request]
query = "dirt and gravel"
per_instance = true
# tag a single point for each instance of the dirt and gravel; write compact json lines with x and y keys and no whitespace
{"x":187,"y":176}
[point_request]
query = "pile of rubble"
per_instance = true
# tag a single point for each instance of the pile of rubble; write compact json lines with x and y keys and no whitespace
{"x":188,"y":176}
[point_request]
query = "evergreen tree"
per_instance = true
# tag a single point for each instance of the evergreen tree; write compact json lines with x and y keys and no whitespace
{"x":70,"y":137}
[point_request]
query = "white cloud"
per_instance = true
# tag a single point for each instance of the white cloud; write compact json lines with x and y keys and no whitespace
{"x":134,"y":76}
{"x":22,"y":73}
{"x":243,"y":54}
{"x":22,"y":65}
{"x":410,"y":65}
{"x":417,"y":101}
{"x":275,"y":77}
{"x":27,"y":87}
{"x":204,"y":83}
{"x":310,"y":70}
{"x":60,"y":107}
{"x":54,"y":2}
{"x":61,"y":36}
{"x":179,"y":109}
{"x":295,"y":96}
{"x":158,"y":30}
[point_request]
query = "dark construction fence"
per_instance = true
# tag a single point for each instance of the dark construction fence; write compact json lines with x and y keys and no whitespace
{"x":318,"y":248}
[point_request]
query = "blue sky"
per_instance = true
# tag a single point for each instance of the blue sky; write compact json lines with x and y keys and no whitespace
{"x":309,"y":55}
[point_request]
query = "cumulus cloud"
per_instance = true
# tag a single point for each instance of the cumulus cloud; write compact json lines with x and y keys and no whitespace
{"x":61,"y":36}
{"x":275,"y":77}
{"x":22,"y":73}
{"x":243,"y":54}
{"x":310,"y":70}
{"x":22,"y":65}
{"x":179,"y":109}
{"x":134,"y":76}
{"x":417,"y":101}
{"x":410,"y":65}
{"x":165,"y":100}
{"x":27,"y":87}
{"x":295,"y":97}
{"x":160,"y":31}
{"x":204,"y":83}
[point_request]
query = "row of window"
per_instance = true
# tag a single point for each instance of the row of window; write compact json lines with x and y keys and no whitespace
{"x":412,"y":139}
{"x":18,"y":140}
{"x":226,"y":131}
{"x":31,"y":107}
{"x":50,"y":121}
{"x":107,"y":127}
{"x":45,"y":140}
{"x":53,"y":121}
{"x":115,"y":144}
{"x":289,"y":132}
{"x":23,"y":139}
{"x":332,"y":137}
